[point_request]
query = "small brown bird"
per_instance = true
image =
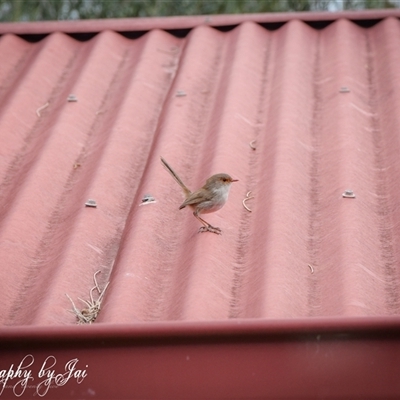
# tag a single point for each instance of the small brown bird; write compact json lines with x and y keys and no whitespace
{"x":210,"y":198}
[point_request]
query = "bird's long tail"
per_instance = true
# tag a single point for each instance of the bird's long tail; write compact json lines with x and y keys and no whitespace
{"x":176,"y":177}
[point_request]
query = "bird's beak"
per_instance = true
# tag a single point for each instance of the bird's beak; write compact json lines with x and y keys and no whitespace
{"x":235,"y":180}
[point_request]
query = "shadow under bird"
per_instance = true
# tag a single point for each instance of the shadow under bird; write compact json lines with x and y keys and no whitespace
{"x":210,"y":198}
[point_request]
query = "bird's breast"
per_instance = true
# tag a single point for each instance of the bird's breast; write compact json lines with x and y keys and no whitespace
{"x":218,"y":200}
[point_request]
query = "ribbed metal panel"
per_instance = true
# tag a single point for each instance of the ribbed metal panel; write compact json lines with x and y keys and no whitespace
{"x":298,"y":115}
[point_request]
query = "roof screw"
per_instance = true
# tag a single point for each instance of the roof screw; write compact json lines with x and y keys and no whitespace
{"x":72,"y":98}
{"x":348,"y":193}
{"x":344,"y":89}
{"x":91,"y":203}
{"x":147,"y":199}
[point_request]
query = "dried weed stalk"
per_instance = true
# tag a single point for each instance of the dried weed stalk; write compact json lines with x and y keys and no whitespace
{"x":88,"y":315}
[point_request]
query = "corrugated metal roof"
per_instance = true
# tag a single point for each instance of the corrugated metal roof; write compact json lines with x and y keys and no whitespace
{"x":305,"y":280}
{"x":318,"y":106}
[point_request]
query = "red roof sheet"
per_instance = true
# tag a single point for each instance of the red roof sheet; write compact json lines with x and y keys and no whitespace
{"x":306,"y":119}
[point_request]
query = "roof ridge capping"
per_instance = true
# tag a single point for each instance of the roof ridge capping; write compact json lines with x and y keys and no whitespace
{"x":269,"y":20}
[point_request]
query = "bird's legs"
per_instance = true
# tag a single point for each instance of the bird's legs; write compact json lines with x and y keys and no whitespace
{"x":207,"y":227}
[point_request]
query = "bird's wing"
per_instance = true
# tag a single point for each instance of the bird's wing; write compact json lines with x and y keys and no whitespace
{"x":195,"y":198}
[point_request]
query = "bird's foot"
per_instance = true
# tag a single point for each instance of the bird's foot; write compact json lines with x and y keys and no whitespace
{"x":210,"y":228}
